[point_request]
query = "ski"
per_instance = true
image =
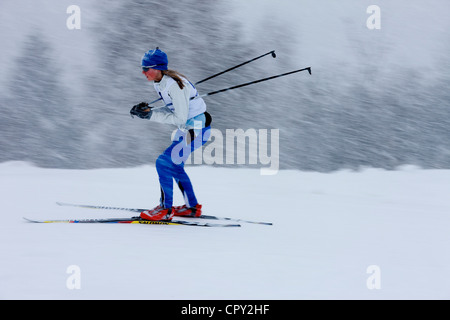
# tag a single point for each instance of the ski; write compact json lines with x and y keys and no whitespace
{"x":140,"y":210}
{"x":135,"y":220}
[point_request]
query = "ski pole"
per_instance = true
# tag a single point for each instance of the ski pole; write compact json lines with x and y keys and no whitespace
{"x":237,"y":66}
{"x":241,"y":85}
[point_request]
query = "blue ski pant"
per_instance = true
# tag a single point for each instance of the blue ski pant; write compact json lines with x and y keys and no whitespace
{"x":170,"y":165}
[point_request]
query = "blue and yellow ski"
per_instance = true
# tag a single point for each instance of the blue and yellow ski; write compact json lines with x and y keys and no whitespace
{"x":136,"y":220}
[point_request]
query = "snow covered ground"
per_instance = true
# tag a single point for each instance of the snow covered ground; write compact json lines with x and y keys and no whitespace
{"x":335,"y":236}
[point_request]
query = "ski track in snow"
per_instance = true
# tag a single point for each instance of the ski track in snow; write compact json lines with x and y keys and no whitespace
{"x":328,"y":229}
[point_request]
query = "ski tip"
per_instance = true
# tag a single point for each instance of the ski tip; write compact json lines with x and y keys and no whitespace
{"x":228,"y":225}
{"x":265,"y":223}
{"x":213,"y":225}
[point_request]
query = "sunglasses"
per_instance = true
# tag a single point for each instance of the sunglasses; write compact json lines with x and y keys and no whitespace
{"x":145,"y":69}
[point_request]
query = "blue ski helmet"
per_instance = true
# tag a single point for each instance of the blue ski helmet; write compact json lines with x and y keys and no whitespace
{"x":155,"y":59}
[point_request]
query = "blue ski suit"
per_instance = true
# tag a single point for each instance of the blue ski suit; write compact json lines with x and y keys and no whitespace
{"x":194,"y":130}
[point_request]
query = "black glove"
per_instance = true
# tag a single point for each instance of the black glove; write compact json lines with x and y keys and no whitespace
{"x":142,"y":110}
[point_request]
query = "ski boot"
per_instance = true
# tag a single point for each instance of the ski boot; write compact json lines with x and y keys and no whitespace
{"x":158,"y":214}
{"x":184,"y":211}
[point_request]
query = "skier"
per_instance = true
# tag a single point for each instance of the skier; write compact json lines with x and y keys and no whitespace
{"x":185,"y":110}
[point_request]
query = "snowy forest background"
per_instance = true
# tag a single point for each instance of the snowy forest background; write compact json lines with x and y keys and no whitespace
{"x":377,"y":98}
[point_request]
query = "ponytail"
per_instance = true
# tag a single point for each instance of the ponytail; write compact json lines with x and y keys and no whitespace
{"x":175,"y":75}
